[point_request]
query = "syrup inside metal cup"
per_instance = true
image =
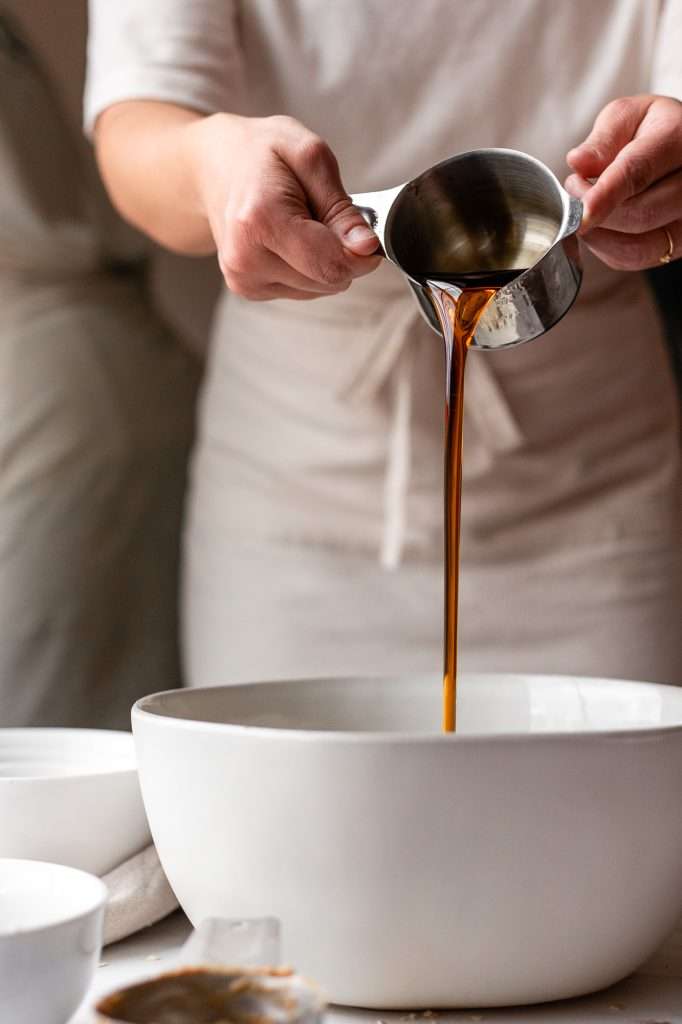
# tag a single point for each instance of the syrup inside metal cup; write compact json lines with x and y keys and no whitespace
{"x":480,"y":215}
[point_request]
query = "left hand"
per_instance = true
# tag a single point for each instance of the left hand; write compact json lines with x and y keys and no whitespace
{"x":628,"y":173}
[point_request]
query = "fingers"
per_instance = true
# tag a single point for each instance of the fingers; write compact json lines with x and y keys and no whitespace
{"x":268,"y":292}
{"x":317,"y":169}
{"x":654,"y":208}
{"x":315,"y":251}
{"x":363,"y":265}
{"x":635,"y":168}
{"x":275,"y":223}
{"x":288,"y":227}
{"x":614,"y":127}
{"x":654,"y":151}
{"x":623,"y":251}
{"x":261,"y":270}
{"x":289,"y":285}
{"x":266,"y":244}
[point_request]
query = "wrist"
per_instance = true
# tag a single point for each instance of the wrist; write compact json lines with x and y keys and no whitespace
{"x":209,"y":145}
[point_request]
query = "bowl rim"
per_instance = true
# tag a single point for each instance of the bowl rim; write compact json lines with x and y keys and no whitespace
{"x":19,"y":731}
{"x":96,"y":904}
{"x":141,"y":713}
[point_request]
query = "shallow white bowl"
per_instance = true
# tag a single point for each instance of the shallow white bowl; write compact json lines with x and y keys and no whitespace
{"x":70,"y":796}
{"x":50,"y":939}
{"x":535,"y":855}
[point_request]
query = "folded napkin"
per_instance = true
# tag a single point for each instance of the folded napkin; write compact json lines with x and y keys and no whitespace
{"x":139,"y":895}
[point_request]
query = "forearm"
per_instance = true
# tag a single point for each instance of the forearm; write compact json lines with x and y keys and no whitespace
{"x":149,"y":158}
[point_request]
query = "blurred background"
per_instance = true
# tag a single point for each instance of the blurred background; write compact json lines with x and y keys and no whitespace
{"x":101,"y":345}
{"x":102,"y":340}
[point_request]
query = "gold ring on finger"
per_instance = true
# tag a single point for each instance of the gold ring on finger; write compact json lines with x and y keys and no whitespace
{"x":671,"y":246}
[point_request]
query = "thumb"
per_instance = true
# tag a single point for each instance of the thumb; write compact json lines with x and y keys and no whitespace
{"x":352,"y":230}
{"x":614,"y":127}
{"x":317,"y":170}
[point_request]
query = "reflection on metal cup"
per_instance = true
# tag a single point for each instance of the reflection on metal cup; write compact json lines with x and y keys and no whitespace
{"x":480,"y":214}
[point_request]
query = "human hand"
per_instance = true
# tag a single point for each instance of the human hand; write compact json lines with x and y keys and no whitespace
{"x":282,"y":222}
{"x":628,"y":173}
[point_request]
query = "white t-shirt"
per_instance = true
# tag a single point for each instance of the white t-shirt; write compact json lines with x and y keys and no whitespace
{"x":393,"y":85}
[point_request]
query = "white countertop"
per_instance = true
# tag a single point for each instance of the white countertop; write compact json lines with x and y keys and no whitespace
{"x":652,"y":996}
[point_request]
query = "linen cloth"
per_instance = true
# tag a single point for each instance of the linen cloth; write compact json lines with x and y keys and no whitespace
{"x":139,"y":896}
{"x":319,"y":455}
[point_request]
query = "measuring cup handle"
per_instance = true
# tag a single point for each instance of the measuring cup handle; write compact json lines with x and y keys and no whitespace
{"x":575,"y":216}
{"x":363,"y":202}
{"x":374,"y":208}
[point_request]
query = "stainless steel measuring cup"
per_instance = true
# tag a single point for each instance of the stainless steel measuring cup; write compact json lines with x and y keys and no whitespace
{"x":473,"y":217}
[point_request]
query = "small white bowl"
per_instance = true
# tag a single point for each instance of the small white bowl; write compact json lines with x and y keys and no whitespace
{"x":70,"y":796}
{"x":50,"y":939}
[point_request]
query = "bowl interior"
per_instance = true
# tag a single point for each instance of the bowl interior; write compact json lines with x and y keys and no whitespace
{"x":35,"y":895}
{"x":53,"y":753}
{"x":487,"y":705}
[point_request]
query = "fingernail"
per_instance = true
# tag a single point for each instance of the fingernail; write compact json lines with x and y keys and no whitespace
{"x":576,"y":186}
{"x":585,"y":221}
{"x":360,"y":234}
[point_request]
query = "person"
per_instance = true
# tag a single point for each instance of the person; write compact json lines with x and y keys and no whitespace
{"x":97,"y":400}
{"x":314,"y":538}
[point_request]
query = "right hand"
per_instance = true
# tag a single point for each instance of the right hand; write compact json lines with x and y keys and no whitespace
{"x":282,"y":222}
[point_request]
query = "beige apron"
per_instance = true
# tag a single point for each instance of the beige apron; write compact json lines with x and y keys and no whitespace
{"x":320,"y":468}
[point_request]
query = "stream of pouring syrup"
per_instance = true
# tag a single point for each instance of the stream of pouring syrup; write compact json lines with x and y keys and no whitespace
{"x":459,"y":314}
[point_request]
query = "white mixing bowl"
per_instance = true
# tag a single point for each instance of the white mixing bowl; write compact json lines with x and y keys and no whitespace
{"x":535,"y":855}
{"x":70,"y":796}
{"x":50,"y":940}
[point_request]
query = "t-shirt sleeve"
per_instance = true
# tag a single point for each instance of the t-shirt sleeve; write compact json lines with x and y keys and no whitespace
{"x":177,"y":51}
{"x":667,"y":70}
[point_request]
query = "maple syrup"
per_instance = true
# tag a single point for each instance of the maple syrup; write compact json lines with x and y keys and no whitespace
{"x":458,"y":317}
